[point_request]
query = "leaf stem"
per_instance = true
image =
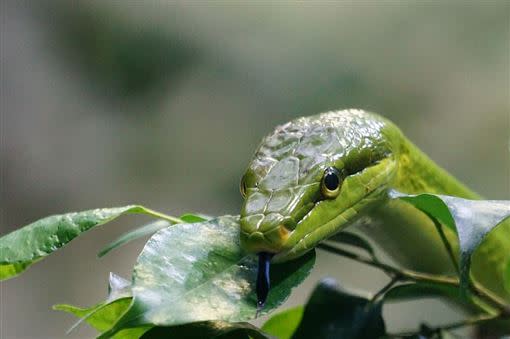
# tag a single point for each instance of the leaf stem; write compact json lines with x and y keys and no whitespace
{"x":163,"y":216}
{"x":446,"y":244}
{"x":452,"y":326}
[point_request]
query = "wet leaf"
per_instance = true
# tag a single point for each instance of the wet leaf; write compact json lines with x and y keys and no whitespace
{"x":25,"y":246}
{"x":335,"y":313}
{"x":283,"y":324}
{"x":472,"y":220}
{"x":198,"y":272}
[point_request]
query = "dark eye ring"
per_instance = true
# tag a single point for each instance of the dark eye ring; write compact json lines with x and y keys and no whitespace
{"x":331,"y":182}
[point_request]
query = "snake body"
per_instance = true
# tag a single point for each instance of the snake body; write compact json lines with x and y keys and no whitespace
{"x":291,"y":205}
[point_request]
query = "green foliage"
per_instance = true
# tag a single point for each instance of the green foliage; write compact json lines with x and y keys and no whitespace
{"x":105,"y":314}
{"x":101,"y":316}
{"x":198,"y":272}
{"x":472,"y":220}
{"x":27,"y":245}
{"x":283,"y":324}
{"x":193,"y":279}
{"x":334,"y":313}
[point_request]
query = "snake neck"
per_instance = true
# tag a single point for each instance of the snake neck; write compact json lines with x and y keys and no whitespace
{"x":417,"y":173}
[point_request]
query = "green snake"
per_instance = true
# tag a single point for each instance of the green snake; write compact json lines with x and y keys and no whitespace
{"x":315,"y":176}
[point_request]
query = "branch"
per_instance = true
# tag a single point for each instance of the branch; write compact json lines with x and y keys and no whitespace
{"x":404,"y":274}
{"x":452,"y":326}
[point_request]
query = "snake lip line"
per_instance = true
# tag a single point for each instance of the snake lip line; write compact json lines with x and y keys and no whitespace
{"x":278,"y":255}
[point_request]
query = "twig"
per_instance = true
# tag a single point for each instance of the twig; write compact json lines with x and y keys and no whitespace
{"x":409,"y":275}
{"x":452,"y":326}
{"x":163,"y":216}
{"x":403,"y":274}
{"x":385,"y":289}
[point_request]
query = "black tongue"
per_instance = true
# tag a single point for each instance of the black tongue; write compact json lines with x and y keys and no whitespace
{"x":263,"y":283}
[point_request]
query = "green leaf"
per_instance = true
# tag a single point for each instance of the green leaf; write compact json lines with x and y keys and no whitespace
{"x":101,"y":316}
{"x":143,"y":231}
{"x":104,"y":315}
{"x":355,"y":240}
{"x":283,"y":324}
{"x":25,"y":246}
{"x":207,"y":329}
{"x":198,"y":272}
{"x":472,"y":220}
{"x":334,"y":313}
{"x":147,"y":230}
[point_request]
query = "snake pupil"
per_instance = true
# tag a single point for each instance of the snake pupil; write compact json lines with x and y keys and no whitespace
{"x":331,"y":181}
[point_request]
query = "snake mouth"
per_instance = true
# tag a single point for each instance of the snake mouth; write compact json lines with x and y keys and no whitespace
{"x":270,"y":241}
{"x":306,"y":241}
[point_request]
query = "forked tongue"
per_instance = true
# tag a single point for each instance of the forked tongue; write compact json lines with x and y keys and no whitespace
{"x":263,"y":282}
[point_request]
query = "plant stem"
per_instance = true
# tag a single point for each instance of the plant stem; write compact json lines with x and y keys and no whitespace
{"x":385,"y":289}
{"x":469,"y":322}
{"x":453,"y":326}
{"x":446,"y":244}
{"x":163,"y":216}
{"x":404,"y":274}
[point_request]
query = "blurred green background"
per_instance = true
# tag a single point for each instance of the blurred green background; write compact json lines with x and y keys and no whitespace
{"x":105,"y":103}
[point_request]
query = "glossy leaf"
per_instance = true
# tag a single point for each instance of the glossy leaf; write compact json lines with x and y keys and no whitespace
{"x":207,"y":329}
{"x":283,"y":324}
{"x":198,"y":272}
{"x":355,"y":240}
{"x":334,"y":313}
{"x":472,"y":220}
{"x":25,"y":246}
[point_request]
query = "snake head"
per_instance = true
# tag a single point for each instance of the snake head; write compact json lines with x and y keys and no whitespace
{"x":311,"y":177}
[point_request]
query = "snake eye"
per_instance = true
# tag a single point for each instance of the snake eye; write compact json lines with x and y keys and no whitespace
{"x":242,"y":187}
{"x":331,"y":182}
